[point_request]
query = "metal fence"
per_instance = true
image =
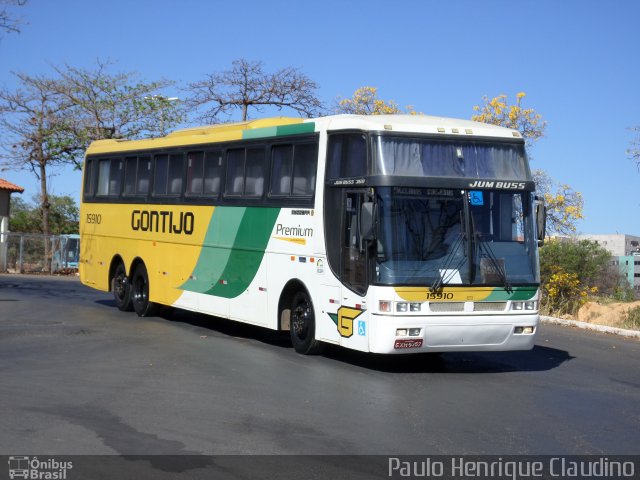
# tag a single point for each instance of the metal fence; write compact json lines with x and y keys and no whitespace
{"x":37,"y":253}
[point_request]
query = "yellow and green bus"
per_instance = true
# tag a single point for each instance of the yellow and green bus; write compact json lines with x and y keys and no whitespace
{"x":386,"y":234}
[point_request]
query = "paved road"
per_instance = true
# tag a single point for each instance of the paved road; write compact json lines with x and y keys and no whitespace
{"x":77,"y":376}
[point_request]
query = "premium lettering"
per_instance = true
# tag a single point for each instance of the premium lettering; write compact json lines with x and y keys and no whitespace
{"x":163,"y":221}
{"x":294,"y":231}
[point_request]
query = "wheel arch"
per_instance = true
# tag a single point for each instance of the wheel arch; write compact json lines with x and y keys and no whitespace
{"x":115,"y":261}
{"x":286,"y":298}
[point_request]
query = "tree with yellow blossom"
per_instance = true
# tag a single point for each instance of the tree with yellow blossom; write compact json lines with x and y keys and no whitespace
{"x":564,"y":204}
{"x":497,"y":111}
{"x":365,"y":101}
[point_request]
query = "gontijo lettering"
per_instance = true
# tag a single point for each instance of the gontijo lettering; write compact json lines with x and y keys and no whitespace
{"x":163,"y":221}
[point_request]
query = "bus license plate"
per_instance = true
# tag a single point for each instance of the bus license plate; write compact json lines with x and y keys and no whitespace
{"x":407,"y":344}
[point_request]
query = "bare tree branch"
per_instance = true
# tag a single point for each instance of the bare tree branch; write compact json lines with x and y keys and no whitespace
{"x":7,"y":22}
{"x":246,"y":86}
{"x":634,"y":150}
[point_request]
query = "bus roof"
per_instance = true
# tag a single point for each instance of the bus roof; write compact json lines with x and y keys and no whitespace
{"x":281,"y":126}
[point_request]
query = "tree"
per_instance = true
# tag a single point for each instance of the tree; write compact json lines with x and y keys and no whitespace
{"x":34,"y":124}
{"x":365,"y":101}
{"x":48,"y":122}
{"x":634,"y":150}
{"x":114,"y":105}
{"x":246,"y":85}
{"x":23,"y":217}
{"x":498,"y":112}
{"x":7,"y":22}
{"x":26,"y":218}
{"x":571,"y":270}
{"x":564,"y":205}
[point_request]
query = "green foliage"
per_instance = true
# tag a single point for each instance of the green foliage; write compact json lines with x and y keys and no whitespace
{"x":104,"y":104}
{"x":572,"y":270}
{"x":26,"y":218}
{"x":23,"y":217}
{"x":583,"y":258}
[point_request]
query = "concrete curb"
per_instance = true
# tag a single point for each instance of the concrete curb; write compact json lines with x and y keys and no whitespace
{"x":590,"y":326}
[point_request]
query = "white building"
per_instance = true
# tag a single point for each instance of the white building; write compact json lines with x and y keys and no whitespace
{"x":626,"y":252}
{"x":6,"y":189}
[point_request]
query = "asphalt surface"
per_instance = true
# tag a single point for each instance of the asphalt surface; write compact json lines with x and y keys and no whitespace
{"x":77,"y":376}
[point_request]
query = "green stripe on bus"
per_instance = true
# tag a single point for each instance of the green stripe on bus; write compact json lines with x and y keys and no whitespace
{"x":295,"y":129}
{"x":216,"y":249}
{"x":518,"y":293}
{"x":233,"y":250}
{"x":247,"y":253}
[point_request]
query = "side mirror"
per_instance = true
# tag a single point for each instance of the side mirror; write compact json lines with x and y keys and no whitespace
{"x":541,"y":219}
{"x":367,"y":220}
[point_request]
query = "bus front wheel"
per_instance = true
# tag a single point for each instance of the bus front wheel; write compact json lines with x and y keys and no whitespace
{"x":121,"y":289}
{"x":303,"y":325}
{"x":140,"y":292}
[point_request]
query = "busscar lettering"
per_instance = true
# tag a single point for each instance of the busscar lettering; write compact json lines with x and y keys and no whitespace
{"x":163,"y":221}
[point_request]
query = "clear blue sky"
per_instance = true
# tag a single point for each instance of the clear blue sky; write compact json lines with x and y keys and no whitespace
{"x":578,"y":62}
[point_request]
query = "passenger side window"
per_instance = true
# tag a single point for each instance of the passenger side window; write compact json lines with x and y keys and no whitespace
{"x":168,"y":175}
{"x":195,"y":173}
{"x":88,"y":178}
{"x":254,"y":172}
{"x":130,"y":167}
{"x":143,"y":175}
{"x":281,"y":165}
{"x":305,"y":164}
{"x":109,"y":177}
{"x":245,"y":172}
{"x":235,"y":172}
{"x":346,"y":156}
{"x":212,"y":173}
{"x":293,"y":171}
{"x":137,"y":174}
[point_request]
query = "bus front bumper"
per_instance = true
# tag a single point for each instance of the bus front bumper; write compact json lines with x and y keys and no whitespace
{"x":451,"y":333}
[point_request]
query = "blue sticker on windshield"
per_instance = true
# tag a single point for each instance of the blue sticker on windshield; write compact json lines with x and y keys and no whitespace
{"x":476,"y":197}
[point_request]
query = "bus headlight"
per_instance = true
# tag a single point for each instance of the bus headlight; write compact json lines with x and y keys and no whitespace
{"x":530,"y":305}
{"x":402,"y":307}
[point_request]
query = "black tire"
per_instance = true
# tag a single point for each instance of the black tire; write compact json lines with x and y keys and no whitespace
{"x":303,"y":326}
{"x":121,"y":288}
{"x":140,"y":292}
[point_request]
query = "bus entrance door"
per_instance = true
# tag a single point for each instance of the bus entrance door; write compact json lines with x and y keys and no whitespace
{"x":352,"y":314}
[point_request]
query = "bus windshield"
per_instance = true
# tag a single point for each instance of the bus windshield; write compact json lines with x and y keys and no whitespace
{"x":407,"y":156}
{"x":454,"y":237}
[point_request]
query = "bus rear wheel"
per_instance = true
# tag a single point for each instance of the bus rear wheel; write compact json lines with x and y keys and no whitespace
{"x":303,"y":326}
{"x":121,"y":289}
{"x":140,"y":292}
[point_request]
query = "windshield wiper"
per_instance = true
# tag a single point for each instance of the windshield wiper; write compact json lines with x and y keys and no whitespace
{"x":489,"y":253}
{"x":450,"y":272}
